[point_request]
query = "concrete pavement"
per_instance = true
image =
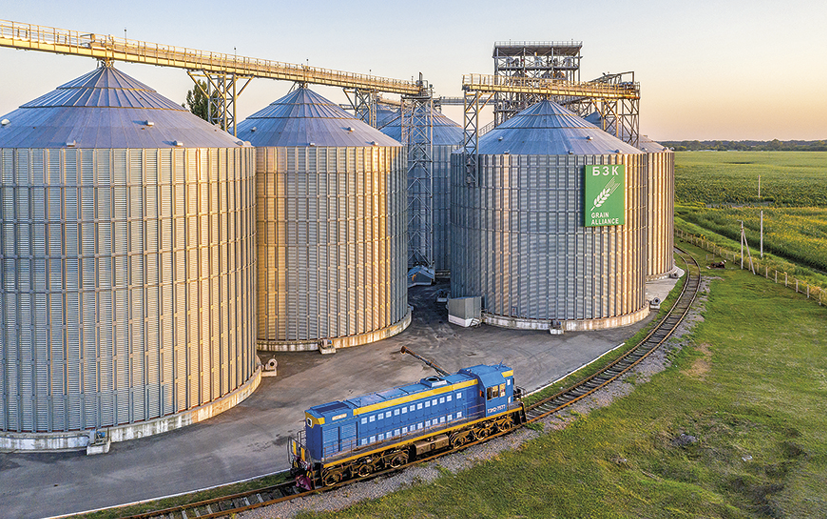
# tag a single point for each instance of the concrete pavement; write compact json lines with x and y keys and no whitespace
{"x":250,"y":439}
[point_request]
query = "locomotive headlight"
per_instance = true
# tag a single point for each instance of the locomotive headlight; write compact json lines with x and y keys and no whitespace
{"x":309,"y":422}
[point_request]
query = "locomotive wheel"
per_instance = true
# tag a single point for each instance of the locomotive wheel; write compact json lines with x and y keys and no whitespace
{"x":458,"y":441}
{"x":332,"y":477}
{"x":398,"y":460}
{"x":480,"y":433}
{"x":504,"y":425}
{"x":364,"y":470}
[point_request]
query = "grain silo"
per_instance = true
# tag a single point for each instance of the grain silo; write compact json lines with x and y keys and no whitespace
{"x":127,"y":292}
{"x":331,"y":226}
{"x":660,"y":261}
{"x":550,"y":230}
{"x":446,"y":137}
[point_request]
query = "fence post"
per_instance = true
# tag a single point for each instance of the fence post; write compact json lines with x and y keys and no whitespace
{"x":766,"y":272}
{"x":785,"y":279}
{"x":808,"y":291}
{"x":776,"y":276}
{"x":796,"y":285}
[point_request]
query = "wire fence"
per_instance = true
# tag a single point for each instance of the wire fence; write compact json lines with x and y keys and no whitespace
{"x":817,"y":294}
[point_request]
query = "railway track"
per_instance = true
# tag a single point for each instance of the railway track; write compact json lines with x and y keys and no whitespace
{"x":657,"y":336}
{"x":221,"y":507}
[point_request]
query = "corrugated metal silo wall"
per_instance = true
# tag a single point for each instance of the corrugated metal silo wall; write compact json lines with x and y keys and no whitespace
{"x":127,"y":284}
{"x":519,"y":240}
{"x":442,"y":207}
{"x":661,"y":214}
{"x":332,"y":241}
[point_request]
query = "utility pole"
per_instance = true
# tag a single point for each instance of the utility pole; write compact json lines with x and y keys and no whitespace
{"x":762,"y":229}
{"x":744,"y":243}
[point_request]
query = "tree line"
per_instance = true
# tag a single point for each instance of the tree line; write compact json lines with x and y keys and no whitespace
{"x":773,"y":145}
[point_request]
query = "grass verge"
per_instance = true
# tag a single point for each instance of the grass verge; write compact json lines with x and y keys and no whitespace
{"x":149,"y":506}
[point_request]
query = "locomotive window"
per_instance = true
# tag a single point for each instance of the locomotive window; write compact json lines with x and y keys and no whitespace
{"x":502,"y":389}
{"x":364,"y":441}
{"x":459,"y":414}
{"x":309,"y":422}
{"x":372,"y":418}
{"x":450,"y":417}
{"x":396,"y":412}
{"x":441,"y":419}
{"x":381,"y":437}
{"x":427,"y":423}
{"x":459,"y":395}
{"x":404,"y":410}
{"x":419,"y":405}
{"x":388,"y":414}
{"x":434,"y":401}
{"x":372,"y":439}
{"x":413,"y":407}
{"x":448,"y":398}
{"x":427,"y":403}
{"x":404,"y":430}
{"x":442,"y":400}
{"x":508,"y":382}
{"x":364,"y":420}
{"x":396,"y":432}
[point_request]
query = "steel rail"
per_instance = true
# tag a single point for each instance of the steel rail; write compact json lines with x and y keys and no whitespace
{"x":653,"y":340}
{"x":488,"y":83}
{"x":27,"y":36}
{"x":236,"y":503}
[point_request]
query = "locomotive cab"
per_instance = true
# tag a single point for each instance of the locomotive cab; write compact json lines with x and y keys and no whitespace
{"x":495,"y":385}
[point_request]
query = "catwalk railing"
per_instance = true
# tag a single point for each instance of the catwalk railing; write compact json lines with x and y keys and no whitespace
{"x":106,"y":47}
{"x":487,"y":83}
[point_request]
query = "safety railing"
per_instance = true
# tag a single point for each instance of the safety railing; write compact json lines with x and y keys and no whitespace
{"x":65,"y":41}
{"x":547,"y":86}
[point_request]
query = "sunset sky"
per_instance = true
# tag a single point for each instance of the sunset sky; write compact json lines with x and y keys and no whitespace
{"x":708,"y":70}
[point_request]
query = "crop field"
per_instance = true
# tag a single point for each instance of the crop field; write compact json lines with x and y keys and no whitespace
{"x":789,"y":179}
{"x":796,"y":233}
{"x":716,"y":190}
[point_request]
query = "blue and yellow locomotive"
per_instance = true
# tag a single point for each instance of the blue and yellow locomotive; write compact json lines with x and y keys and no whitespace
{"x":362,"y":435}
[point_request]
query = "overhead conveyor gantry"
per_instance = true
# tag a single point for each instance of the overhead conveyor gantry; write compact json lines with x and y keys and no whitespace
{"x":223,"y":71}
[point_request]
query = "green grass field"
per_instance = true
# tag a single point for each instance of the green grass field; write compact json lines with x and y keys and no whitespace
{"x":791,"y":179}
{"x":750,"y":386}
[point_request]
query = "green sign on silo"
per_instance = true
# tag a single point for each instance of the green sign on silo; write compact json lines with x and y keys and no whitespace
{"x":605,"y":190}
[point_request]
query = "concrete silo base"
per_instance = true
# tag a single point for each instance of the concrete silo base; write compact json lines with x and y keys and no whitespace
{"x":97,"y":441}
{"x":663,"y":275}
{"x":332,"y":344}
{"x":572,"y":325}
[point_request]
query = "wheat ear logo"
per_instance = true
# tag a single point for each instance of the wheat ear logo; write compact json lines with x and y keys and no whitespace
{"x":604,"y":195}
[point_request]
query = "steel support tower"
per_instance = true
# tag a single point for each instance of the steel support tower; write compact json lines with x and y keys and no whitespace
{"x":417,"y":136}
{"x":619,"y":117}
{"x":546,"y":60}
{"x":616,"y":101}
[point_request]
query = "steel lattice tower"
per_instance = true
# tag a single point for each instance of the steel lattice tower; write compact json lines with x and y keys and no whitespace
{"x":547,"y":60}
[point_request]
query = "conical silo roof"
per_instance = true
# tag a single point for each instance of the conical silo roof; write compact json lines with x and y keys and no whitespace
{"x":547,"y":128}
{"x":385,"y":115}
{"x":446,"y":131}
{"x":107,"y":109}
{"x":649,"y":146}
{"x":304,"y":118}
